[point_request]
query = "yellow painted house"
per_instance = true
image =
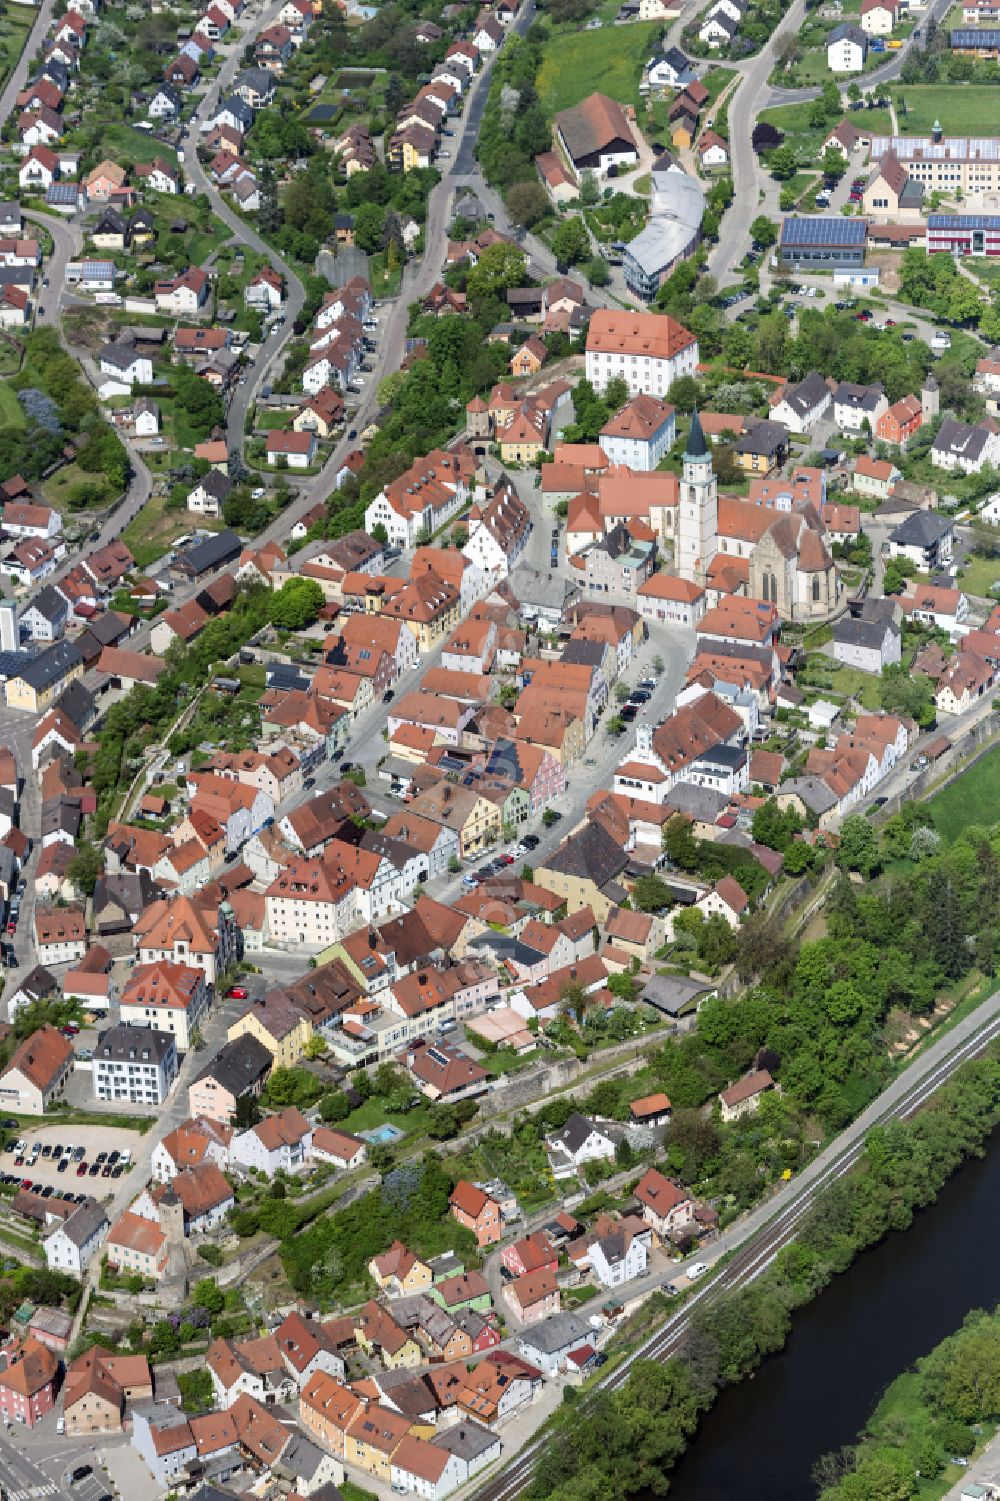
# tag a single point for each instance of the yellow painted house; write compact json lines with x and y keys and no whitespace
{"x":582,"y":869}
{"x":399,"y":1271}
{"x":477,"y":821}
{"x":278,"y":1026}
{"x":377,"y":1332}
{"x":374,"y":1437}
{"x":39,"y":684}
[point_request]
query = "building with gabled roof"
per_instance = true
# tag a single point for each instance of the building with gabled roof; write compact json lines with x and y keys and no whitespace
{"x":37,"y":1073}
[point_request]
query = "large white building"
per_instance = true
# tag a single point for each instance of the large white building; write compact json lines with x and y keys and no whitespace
{"x":649,"y":350}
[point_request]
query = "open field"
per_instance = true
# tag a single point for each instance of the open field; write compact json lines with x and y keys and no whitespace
{"x":970,"y":798}
{"x":979,"y":575}
{"x":962,"y":108}
{"x":152,"y":532}
{"x":120,"y":140}
{"x":610,"y":61}
{"x":11,"y":411}
{"x":57,"y":488}
{"x":793,"y":120}
{"x":14,"y":27}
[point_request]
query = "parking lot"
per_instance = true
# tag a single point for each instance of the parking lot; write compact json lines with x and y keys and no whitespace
{"x":92,"y":1486}
{"x":93,"y":1140}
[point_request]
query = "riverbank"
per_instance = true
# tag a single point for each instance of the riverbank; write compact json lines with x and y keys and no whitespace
{"x":623,"y":1441}
{"x":927,"y":1424}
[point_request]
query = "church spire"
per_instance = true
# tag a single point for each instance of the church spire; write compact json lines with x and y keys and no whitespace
{"x":696,"y":447}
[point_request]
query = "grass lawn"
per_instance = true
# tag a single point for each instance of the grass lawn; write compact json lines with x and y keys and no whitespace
{"x":574,"y":1297}
{"x":793,"y":120}
{"x":152,"y":532}
{"x":978,"y":575}
{"x":11,"y":410}
{"x":56,"y":490}
{"x":715,"y":81}
{"x":121,"y":140}
{"x":970,"y":798}
{"x":609,"y":61}
{"x":961,"y":107}
{"x":14,"y":30}
{"x":352,"y":1492}
{"x":268,"y":421}
{"x":983,"y":270}
{"x":826,"y":678}
{"x":372,"y":1114}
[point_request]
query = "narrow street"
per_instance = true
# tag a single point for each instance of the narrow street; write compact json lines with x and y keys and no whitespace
{"x":255,"y":18}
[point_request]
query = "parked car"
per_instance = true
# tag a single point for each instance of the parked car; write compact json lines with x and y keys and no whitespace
{"x":238,"y":993}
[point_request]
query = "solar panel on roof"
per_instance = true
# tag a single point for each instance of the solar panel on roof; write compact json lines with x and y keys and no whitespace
{"x":986,"y":36}
{"x":964,"y":221}
{"x":823,"y":229}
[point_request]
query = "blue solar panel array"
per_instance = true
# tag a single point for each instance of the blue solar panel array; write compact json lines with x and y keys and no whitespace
{"x":964,"y":221}
{"x":983,"y":36}
{"x":823,"y":229}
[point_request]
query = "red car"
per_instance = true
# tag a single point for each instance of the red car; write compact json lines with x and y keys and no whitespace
{"x":25,"y":1182}
{"x":82,"y":1170}
{"x":505,"y":859}
{"x":238,"y":993}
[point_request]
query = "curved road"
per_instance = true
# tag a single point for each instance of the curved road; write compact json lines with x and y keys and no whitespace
{"x":417,"y":280}
{"x":66,"y":240}
{"x":244,"y":395}
{"x":759,"y":1238}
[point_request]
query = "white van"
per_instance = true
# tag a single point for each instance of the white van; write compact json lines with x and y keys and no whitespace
{"x":697,"y":1269}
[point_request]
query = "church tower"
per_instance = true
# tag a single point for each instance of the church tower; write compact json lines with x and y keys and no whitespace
{"x":930,"y":399}
{"x":697,"y":510}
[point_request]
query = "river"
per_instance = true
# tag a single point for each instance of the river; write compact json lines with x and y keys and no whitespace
{"x":895,"y":1303}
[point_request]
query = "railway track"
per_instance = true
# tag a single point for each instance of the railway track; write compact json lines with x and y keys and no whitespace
{"x":760,"y":1250}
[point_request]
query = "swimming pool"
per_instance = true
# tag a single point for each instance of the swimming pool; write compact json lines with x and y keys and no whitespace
{"x":382,"y":1135}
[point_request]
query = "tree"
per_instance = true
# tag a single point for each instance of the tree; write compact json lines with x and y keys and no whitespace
{"x":85,"y":867}
{"x":684,"y":393}
{"x":597,"y":271}
{"x":910,"y":694}
{"x":650,"y":894}
{"x":369,"y":223}
{"x":500,"y":266}
{"x":246,"y":1114}
{"x":774,"y":826}
{"x":589,"y":191}
{"x":897,"y":571}
{"x":527,"y":202}
{"x":858,"y":849}
{"x":209,"y":1296}
{"x":380,"y":535}
{"x":763,"y":231}
{"x":782,"y":163}
{"x":296,"y":604}
{"x":833,"y":163}
{"x":334,"y":1106}
{"x":680,"y":844}
{"x":571,"y":243}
